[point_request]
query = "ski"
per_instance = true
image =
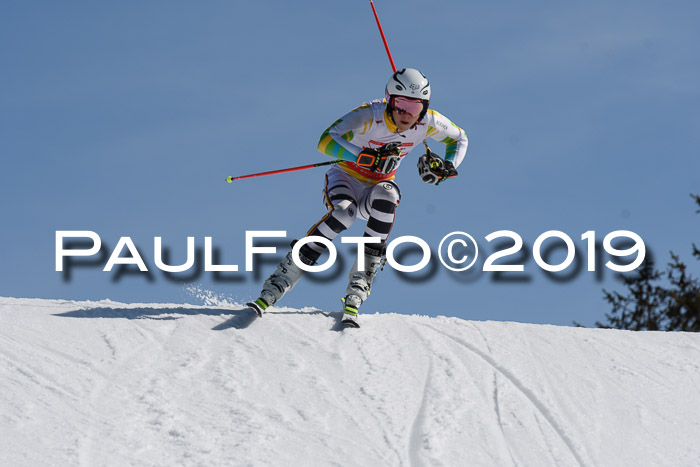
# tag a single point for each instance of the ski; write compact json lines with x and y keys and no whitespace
{"x":350,"y":305}
{"x":241,"y":319}
{"x":349,"y":321}
{"x":256,"y":307}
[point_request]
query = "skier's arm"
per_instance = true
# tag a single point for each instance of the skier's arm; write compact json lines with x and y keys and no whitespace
{"x":441,"y":129}
{"x":336,"y":141}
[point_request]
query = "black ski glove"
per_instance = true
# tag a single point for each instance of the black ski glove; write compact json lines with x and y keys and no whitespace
{"x":433,"y":169}
{"x":383,"y":160}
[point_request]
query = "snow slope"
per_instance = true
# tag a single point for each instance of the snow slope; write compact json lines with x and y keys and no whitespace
{"x":105,"y":383}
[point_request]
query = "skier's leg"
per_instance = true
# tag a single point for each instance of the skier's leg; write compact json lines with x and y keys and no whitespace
{"x":380,"y":206}
{"x":280,"y":282}
{"x":339,"y":198}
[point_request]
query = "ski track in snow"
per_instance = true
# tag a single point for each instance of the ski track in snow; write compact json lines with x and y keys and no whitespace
{"x":120,"y":365}
{"x":529,"y":395}
{"x":104,"y":383}
{"x":417,"y":440}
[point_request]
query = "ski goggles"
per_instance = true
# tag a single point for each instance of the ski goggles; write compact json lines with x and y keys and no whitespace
{"x":407,"y":105}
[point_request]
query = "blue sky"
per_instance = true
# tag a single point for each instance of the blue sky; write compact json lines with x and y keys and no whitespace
{"x":125,"y":119}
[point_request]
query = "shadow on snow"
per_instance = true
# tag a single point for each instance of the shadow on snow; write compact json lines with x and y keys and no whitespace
{"x":241,"y":319}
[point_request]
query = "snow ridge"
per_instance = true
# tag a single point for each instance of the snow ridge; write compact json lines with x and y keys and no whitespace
{"x":106,"y":383}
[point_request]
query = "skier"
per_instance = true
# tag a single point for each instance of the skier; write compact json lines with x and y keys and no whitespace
{"x":372,"y":140}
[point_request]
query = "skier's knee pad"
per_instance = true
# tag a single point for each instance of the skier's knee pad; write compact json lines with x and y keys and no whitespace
{"x":385,"y":192}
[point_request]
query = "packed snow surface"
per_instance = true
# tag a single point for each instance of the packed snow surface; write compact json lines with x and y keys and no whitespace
{"x":105,"y":383}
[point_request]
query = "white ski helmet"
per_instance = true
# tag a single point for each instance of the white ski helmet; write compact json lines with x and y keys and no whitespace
{"x":411,"y":83}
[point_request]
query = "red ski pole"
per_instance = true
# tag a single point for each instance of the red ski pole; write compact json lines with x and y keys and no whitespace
{"x":281,"y":171}
{"x":388,"y":52}
{"x":381,"y":31}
